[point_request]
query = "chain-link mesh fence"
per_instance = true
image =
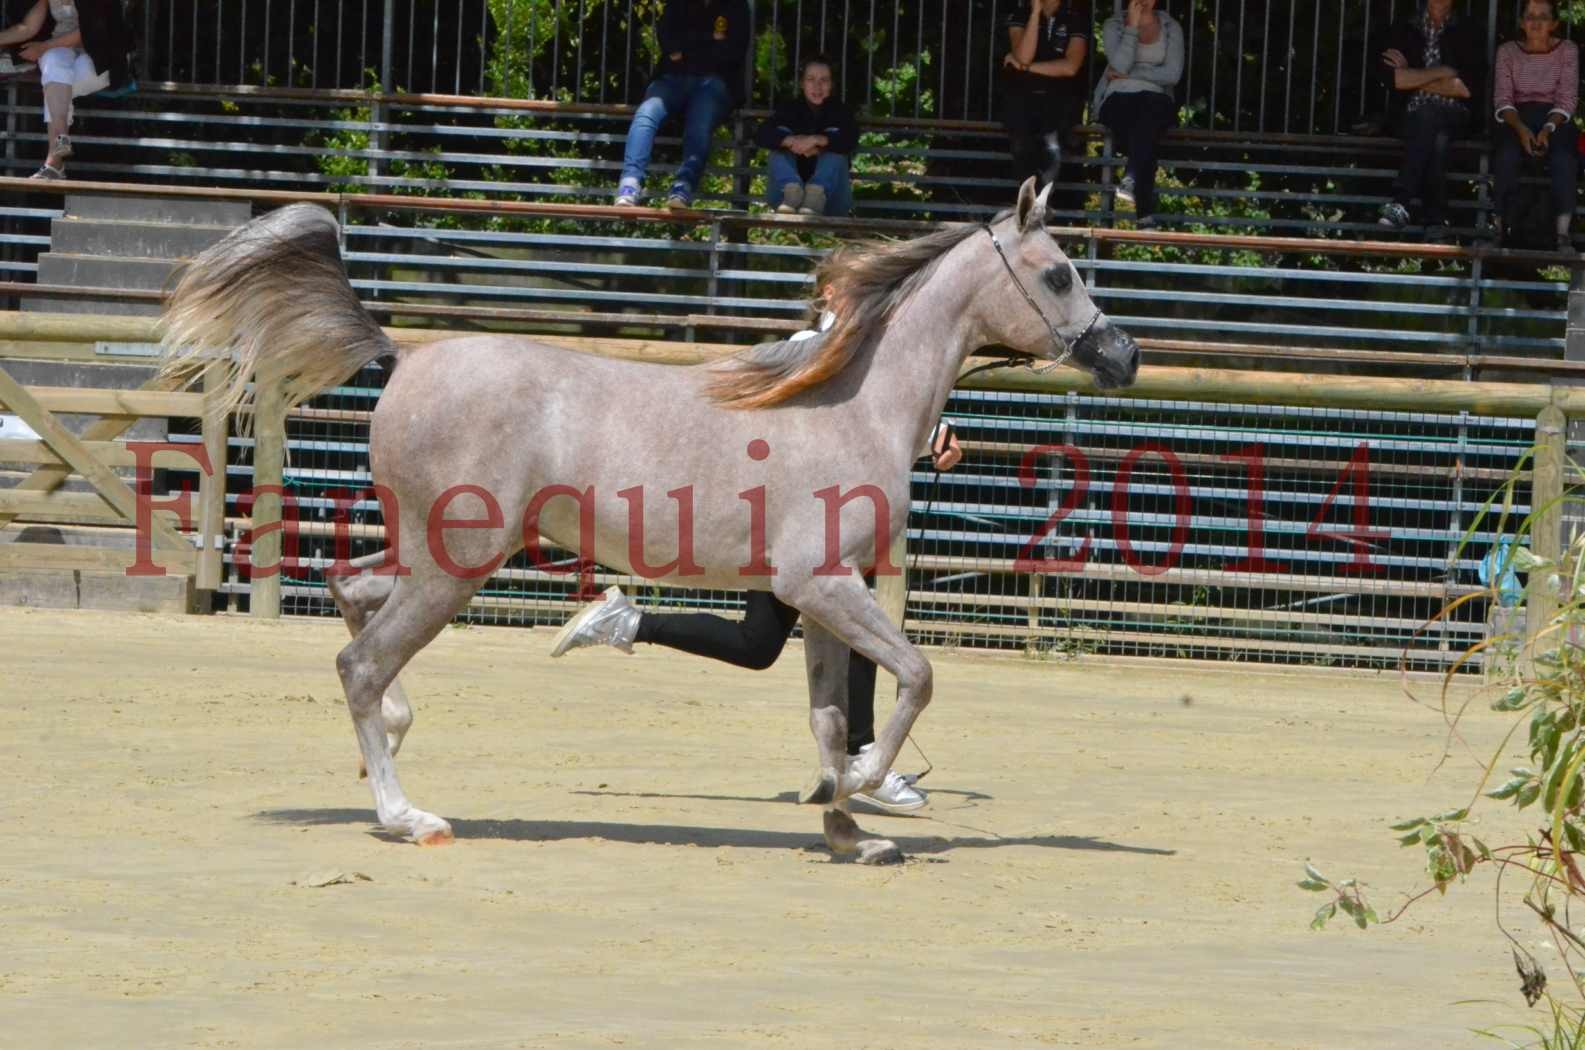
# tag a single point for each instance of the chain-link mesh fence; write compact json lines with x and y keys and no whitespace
{"x":1081,"y":524}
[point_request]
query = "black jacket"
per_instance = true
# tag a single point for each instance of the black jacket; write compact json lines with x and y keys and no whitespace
{"x":712,"y":36}
{"x":1463,"y":48}
{"x":797,"y":117}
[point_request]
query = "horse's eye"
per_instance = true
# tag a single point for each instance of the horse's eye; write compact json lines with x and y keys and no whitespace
{"x":1060,"y":279}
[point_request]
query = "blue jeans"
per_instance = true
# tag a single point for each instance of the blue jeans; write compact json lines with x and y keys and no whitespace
{"x":704,"y":104}
{"x":830,"y":174}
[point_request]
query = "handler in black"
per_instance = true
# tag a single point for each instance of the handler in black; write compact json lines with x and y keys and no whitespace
{"x":1044,"y":90}
{"x":754,"y":642}
{"x":811,"y":139}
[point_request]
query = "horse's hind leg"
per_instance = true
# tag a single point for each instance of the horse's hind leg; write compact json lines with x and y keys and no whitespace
{"x":416,"y":610}
{"x":359,"y":598}
{"x":827,"y":660}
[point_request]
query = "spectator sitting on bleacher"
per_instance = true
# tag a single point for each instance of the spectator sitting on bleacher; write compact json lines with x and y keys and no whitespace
{"x":810,"y":138}
{"x":1434,"y":63}
{"x":700,"y":78}
{"x":1144,"y":60}
{"x":1535,"y":88}
{"x":1044,"y":86}
{"x":89,"y":43}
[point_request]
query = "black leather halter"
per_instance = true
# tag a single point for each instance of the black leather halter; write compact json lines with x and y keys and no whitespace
{"x":1063,"y":344}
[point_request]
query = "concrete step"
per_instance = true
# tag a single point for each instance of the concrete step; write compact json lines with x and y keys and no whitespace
{"x":93,"y":272}
{"x":149,"y":240}
{"x":86,"y":589}
{"x":158,"y":209}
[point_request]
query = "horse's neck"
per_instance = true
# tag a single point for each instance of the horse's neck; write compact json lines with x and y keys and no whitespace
{"x":917,"y":359}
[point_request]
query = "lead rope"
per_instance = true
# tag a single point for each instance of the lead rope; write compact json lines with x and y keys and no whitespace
{"x":1019,"y":360}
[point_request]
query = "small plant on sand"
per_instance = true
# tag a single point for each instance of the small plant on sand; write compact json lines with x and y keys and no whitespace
{"x":1538,"y":768}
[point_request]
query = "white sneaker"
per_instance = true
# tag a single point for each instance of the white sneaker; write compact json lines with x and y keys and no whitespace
{"x":612,"y":621}
{"x":895,"y":795}
{"x":792,"y":195}
{"x":10,"y":67}
{"x":1125,"y":191}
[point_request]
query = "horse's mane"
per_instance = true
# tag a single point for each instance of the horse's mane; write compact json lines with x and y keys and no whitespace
{"x":864,"y":284}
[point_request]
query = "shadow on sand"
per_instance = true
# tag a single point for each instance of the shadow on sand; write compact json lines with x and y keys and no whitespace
{"x":785,"y":796}
{"x":688,"y":835}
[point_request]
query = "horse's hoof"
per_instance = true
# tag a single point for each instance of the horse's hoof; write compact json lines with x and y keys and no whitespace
{"x":427,"y":829}
{"x":444,"y":837}
{"x":821,"y":789}
{"x":879,"y":852}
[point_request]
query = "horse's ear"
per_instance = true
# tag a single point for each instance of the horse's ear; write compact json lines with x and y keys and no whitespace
{"x":1031,"y":206}
{"x":1026,"y":202}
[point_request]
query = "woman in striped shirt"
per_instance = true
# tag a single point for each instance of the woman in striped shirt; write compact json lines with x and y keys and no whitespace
{"x":1535,"y":92}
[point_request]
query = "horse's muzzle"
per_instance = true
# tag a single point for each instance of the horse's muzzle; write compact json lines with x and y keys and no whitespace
{"x":1111,"y":353}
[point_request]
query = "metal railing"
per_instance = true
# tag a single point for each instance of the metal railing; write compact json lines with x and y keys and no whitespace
{"x":1277,"y":66}
{"x":1311,"y":305}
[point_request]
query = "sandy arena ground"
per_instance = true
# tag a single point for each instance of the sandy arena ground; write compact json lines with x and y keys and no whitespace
{"x":1103,"y":865}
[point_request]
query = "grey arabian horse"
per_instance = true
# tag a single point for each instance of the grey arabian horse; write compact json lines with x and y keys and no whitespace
{"x":742,"y":473}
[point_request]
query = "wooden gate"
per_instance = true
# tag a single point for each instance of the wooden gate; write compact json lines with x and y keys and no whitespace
{"x":183,"y":543}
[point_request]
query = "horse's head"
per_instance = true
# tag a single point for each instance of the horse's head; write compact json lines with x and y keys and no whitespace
{"x":1034,"y":301}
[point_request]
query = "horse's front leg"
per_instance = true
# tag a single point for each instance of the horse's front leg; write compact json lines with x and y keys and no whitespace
{"x":827,"y":660}
{"x":845,"y":607}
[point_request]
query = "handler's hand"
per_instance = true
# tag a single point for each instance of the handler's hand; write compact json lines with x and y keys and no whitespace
{"x":945,"y":450}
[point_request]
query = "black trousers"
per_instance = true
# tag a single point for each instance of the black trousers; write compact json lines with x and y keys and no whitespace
{"x":1036,"y":107}
{"x":1137,"y":120}
{"x":1427,"y":133}
{"x":754,"y":643}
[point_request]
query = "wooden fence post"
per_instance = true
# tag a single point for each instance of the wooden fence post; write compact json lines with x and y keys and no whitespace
{"x":212,"y":490}
{"x":269,"y":470}
{"x":1546,"y":525}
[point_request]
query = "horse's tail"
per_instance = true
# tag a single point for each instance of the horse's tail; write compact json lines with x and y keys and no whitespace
{"x":272,"y":305}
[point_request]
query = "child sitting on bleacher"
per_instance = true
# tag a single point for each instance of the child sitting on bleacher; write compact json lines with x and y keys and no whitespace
{"x":811,"y":139}
{"x":88,"y":42}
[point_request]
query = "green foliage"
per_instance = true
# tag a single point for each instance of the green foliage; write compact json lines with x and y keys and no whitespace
{"x":772,"y":62}
{"x":881,"y":154}
{"x":1545,"y":692}
{"x":1234,"y":207}
{"x":526,"y":29}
